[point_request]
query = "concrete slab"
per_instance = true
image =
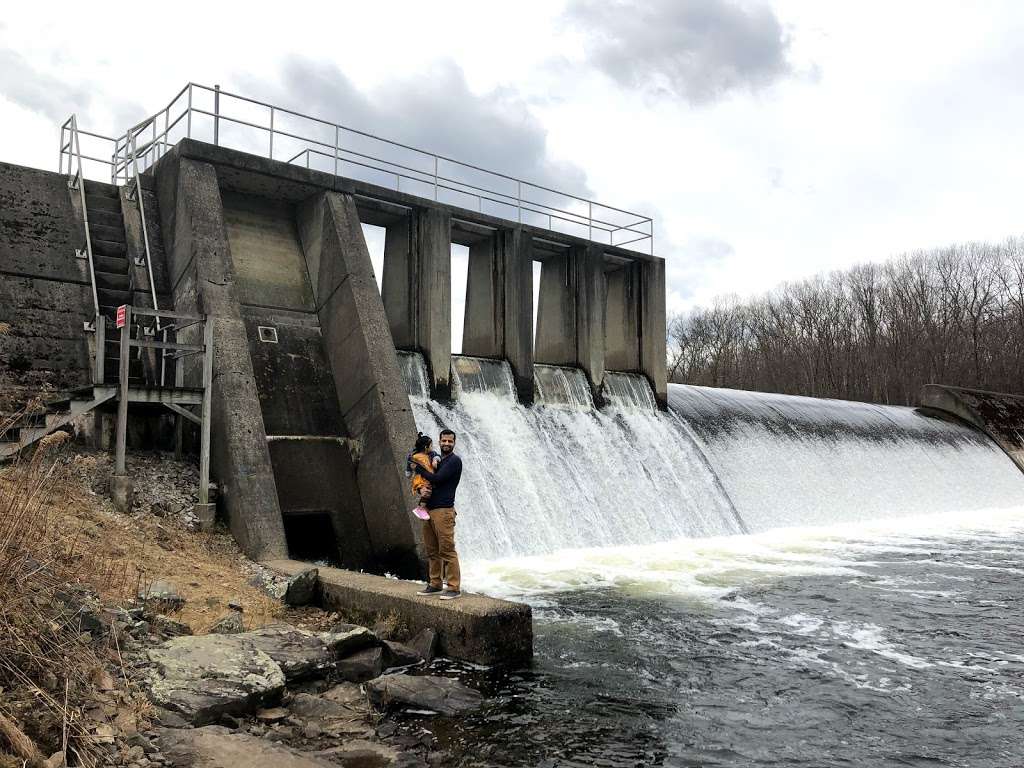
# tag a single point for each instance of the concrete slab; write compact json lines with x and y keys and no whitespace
{"x":475,"y":628}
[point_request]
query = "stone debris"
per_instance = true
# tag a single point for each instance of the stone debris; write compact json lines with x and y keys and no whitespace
{"x":217,"y":747}
{"x":161,"y":596}
{"x":301,"y":589}
{"x":201,"y":678}
{"x":438,"y":694}
{"x":362,"y":665}
{"x":230,"y":623}
{"x":400,"y":655}
{"x":425,"y":644}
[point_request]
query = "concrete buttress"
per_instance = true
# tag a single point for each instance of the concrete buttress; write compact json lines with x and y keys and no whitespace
{"x":203,"y":280}
{"x":371,"y":394}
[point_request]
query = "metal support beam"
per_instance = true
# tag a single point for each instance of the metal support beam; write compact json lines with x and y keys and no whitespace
{"x":204,"y":445}
{"x":122,"y":404}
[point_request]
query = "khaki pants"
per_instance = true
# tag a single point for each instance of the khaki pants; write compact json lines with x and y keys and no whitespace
{"x":439,"y":541}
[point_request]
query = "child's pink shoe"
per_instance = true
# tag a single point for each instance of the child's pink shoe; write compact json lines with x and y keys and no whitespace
{"x":421,"y":513}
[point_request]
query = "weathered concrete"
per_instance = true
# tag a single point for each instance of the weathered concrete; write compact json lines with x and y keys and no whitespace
{"x":622,"y":319}
{"x":44,"y":289}
{"x":203,"y":279}
{"x":434,"y":297}
{"x":556,"y":312}
{"x":474,"y":628}
{"x":483,"y":322}
{"x":499,"y":304}
{"x":998,"y":415}
{"x":268,"y":260}
{"x":514,"y":249}
{"x":398,"y":290}
{"x":371,"y":395}
{"x":653,"y":329}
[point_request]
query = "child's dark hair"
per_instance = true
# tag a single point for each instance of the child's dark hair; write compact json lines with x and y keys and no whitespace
{"x":422,"y":442}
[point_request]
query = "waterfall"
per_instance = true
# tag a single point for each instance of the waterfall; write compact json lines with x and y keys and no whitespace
{"x":628,"y":390}
{"x":544,"y":478}
{"x":789,"y":461}
{"x":563,"y":474}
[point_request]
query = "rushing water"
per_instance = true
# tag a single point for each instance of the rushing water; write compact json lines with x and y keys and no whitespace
{"x":748,"y":580}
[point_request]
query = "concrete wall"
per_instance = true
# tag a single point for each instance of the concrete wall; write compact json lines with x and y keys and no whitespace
{"x":45,"y":291}
{"x":998,"y":415}
{"x":371,"y":395}
{"x":203,"y":279}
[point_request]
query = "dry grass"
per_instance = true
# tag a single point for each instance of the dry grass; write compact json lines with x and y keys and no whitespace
{"x":54,"y":532}
{"x":207,"y":568}
{"x":46,"y":665}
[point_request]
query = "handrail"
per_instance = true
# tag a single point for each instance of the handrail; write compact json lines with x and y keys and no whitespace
{"x":71,"y":124}
{"x":439,"y":174}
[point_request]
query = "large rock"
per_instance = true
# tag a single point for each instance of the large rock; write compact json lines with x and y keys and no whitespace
{"x":399,"y":655}
{"x":348,"y":638}
{"x":302,"y":588}
{"x":425,"y":644}
{"x":362,"y":665}
{"x":217,"y":747}
{"x":161,"y":596}
{"x":439,"y":694}
{"x":361,"y":753}
{"x":301,"y":654}
{"x":202,"y":678}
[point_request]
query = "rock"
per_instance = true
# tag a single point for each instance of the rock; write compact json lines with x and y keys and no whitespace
{"x":166,"y":627}
{"x":360,"y":753}
{"x":361,"y":666}
{"x":302,"y":588}
{"x":161,"y":597}
{"x":217,"y":747}
{"x":228,"y":624}
{"x":272,"y":715}
{"x":399,"y":655}
{"x":440,"y":694}
{"x":348,"y":695}
{"x":202,"y":678}
{"x":300,"y":654}
{"x":425,"y":644}
{"x":349,"y":640}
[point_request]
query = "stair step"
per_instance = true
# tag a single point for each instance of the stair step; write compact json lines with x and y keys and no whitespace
{"x":99,"y":203}
{"x":110,"y":264}
{"x":99,"y":189}
{"x":109,"y":281}
{"x":106,"y":218}
{"x":109,"y":248}
{"x":104,"y":232}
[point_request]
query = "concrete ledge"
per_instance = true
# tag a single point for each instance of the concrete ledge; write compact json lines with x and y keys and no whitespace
{"x":473,"y":628}
{"x":998,"y":415}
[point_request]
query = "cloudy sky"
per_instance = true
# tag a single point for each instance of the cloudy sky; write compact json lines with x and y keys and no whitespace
{"x":770,"y":141}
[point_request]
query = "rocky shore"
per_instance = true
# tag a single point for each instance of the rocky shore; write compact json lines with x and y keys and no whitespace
{"x":279,"y":695}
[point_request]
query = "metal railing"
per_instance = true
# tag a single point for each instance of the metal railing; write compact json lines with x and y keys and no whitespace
{"x":77,"y":181}
{"x":235,"y":121}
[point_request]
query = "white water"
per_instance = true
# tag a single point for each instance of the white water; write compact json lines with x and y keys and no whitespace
{"x":799,"y":461}
{"x":561,"y":495}
{"x":536,"y":480}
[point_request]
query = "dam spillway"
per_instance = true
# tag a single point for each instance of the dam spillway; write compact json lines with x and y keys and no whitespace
{"x":568,"y":475}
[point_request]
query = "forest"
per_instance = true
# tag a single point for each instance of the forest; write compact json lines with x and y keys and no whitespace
{"x":874,"y":332}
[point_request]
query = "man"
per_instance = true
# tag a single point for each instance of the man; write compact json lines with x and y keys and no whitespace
{"x":439,"y":530}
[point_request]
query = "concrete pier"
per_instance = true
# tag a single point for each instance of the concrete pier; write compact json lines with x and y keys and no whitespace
{"x":474,"y":628}
{"x":998,"y":415}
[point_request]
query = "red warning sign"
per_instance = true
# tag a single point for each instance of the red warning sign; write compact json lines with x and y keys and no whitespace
{"x":122,"y":311}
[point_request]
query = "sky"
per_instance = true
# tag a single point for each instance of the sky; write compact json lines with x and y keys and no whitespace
{"x":770,"y":141}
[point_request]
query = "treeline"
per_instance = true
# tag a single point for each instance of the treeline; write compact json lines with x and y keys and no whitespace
{"x":876,"y":332}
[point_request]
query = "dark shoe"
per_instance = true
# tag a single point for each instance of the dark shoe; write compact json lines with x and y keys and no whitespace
{"x":429,"y":590}
{"x":450,"y":594}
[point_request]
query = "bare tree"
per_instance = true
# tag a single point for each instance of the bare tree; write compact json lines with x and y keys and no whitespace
{"x":874,"y":332}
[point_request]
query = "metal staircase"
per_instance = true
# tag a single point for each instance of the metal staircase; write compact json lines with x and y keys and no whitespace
{"x":136,"y":351}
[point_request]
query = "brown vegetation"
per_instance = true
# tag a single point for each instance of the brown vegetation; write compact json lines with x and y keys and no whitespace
{"x":58,"y":536}
{"x":876,"y":332}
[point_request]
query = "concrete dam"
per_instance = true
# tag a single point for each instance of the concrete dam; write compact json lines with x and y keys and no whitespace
{"x":317,"y":378}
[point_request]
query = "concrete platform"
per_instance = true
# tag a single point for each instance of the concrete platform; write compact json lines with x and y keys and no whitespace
{"x":473,"y":628}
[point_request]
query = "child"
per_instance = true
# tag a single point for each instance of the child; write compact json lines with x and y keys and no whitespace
{"x":426,"y":458}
